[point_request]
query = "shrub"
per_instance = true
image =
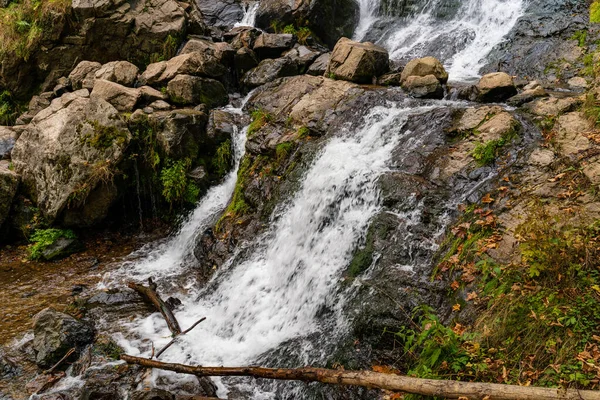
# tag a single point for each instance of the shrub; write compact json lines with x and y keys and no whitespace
{"x":44,"y":238}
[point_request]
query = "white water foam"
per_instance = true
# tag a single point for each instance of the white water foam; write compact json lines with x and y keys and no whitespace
{"x":481,"y":24}
{"x":275,"y":294}
{"x":249,"y":18}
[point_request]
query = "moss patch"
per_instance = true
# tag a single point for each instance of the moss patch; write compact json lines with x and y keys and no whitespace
{"x":42,"y":239}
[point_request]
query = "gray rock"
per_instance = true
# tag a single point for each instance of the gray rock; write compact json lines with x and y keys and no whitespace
{"x":423,"y":67}
{"x":272,"y":45}
{"x":121,"y":72}
{"x":68,"y":154}
{"x":61,"y":248}
{"x":268,"y":70}
{"x":121,"y":97}
{"x":319,"y":66}
{"x":245,"y":59}
{"x":357,"y":62}
{"x":303,"y":56}
{"x":8,"y":137}
{"x":495,"y":87}
{"x":180,"y":133}
{"x":222,"y":51}
{"x":84,"y":74}
{"x":187,"y":89}
{"x":390,"y":79}
{"x":242,"y":36}
{"x":220,"y":13}
{"x":426,"y":87}
{"x":9,"y":183}
{"x":328,"y":19}
{"x":55,"y":333}
{"x":197,"y":64}
{"x":221,"y":125}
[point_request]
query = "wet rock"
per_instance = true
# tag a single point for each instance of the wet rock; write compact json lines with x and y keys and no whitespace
{"x":221,"y":125}
{"x":121,"y":97}
{"x":268,"y":70}
{"x":497,"y":126}
{"x":180,"y":133}
{"x":220,"y":13}
{"x":272,"y":45}
{"x":426,"y":87}
{"x":357,"y":62}
{"x":55,"y":333}
{"x":319,"y":66}
{"x":423,"y":67}
{"x":527,"y":96}
{"x":61,"y":248}
{"x":187,"y":89}
{"x":153,"y":394}
{"x":222,"y":51}
{"x":66,"y":153}
{"x":495,"y":87}
{"x":121,"y":72}
{"x":328,"y":19}
{"x":113,"y":298}
{"x":571,"y":129}
{"x":245,"y":59}
{"x":84,"y":75}
{"x":390,"y":79}
{"x":9,"y":183}
{"x":552,"y":106}
{"x":242,"y":36}
{"x":199,"y":176}
{"x":8,"y":137}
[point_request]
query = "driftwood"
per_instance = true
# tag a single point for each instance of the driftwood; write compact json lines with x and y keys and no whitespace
{"x":370,"y":379}
{"x":175,"y":338}
{"x":149,"y":293}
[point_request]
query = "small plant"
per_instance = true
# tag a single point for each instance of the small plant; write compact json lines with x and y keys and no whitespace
{"x":303,"y":132}
{"x":282,"y":151}
{"x":580,"y":37}
{"x":223,"y":158}
{"x":44,"y":238}
{"x":290,"y":29}
{"x":303,"y":34}
{"x":486,"y":153}
{"x":260,"y":118}
{"x":9,"y":109}
{"x":277,"y":26}
{"x":104,"y":136}
{"x":591,"y":109}
{"x":595,"y":12}
{"x":174,"y":180}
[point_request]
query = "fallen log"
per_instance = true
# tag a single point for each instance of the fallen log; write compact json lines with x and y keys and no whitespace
{"x":149,"y":293}
{"x":370,"y":379}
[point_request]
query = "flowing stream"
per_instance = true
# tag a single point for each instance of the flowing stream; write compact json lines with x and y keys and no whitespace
{"x":460,"y":33}
{"x":257,"y":303}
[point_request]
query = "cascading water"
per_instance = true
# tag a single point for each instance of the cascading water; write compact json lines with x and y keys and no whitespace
{"x":249,"y":18}
{"x":274,"y":295}
{"x":460,"y":33}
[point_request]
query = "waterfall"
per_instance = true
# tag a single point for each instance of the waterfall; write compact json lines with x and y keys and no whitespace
{"x":461,"y":34}
{"x":254,"y":305}
{"x":249,"y":18}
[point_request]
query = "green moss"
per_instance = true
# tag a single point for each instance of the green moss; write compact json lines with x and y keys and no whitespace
{"x":44,"y":238}
{"x":303,"y":132}
{"x":486,"y":153}
{"x":580,"y":37}
{"x":283,"y":151}
{"x":591,"y":109}
{"x":173,"y":178}
{"x":104,"y":137}
{"x":169,"y":49}
{"x":223,"y":158}
{"x":595,"y":12}
{"x":260,"y":118}
{"x":108,"y":348}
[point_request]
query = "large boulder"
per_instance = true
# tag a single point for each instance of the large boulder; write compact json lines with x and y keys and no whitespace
{"x":357,"y":62}
{"x":195,"y":63}
{"x":187,"y":89}
{"x":8,"y":137}
{"x":84,"y":75}
{"x":180,"y":133}
{"x":268,"y":70}
{"x":425,"y":87}
{"x":245,"y":60}
{"x":328,"y":19}
{"x":222,"y":51}
{"x":121,"y":97}
{"x":271,"y":45}
{"x":121,"y":72}
{"x":495,"y":87}
{"x":423,"y":67}
{"x":68,"y":155}
{"x":9,"y":183}
{"x":55,"y":334}
{"x":220,"y":13}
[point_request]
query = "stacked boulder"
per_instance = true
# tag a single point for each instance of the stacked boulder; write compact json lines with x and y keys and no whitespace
{"x":424,"y":77}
